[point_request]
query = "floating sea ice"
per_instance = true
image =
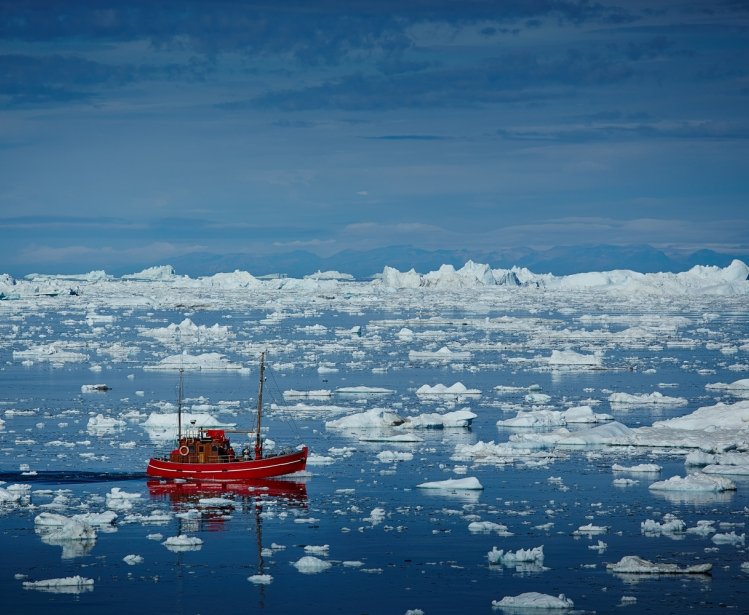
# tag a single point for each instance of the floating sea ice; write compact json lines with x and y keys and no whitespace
{"x":555,"y":418}
{"x":319,"y":460}
{"x":183,"y":543}
{"x":632,"y":564}
{"x":729,"y":539}
{"x":65,"y":585}
{"x":101,"y":519}
{"x":187,"y":331}
{"x":651,"y":399}
{"x":7,"y":497}
{"x":468,"y":483}
{"x":320,"y":393}
{"x":670,"y":525}
{"x":729,"y":469}
{"x":94,"y":388}
{"x":537,"y":398}
{"x":739,"y":388}
{"x":156,"y":517}
{"x":569,"y":359}
{"x":117,"y":499}
{"x":204,"y":362}
{"x":319,"y":549}
{"x":376,"y":516}
{"x":260,"y":579}
{"x":309,"y":564}
{"x":703,"y":528}
{"x":590,"y":529}
{"x":456,"y":389}
{"x":65,"y":529}
{"x":624,"y":482}
{"x":132,"y":560}
{"x":371,"y":419}
{"x":534,"y":555}
{"x":443,"y":354}
{"x":101,"y":425}
{"x":627,"y":600}
{"x":456,"y":419}
{"x":585,"y":414}
{"x":600,"y":546}
{"x":356,"y":391}
{"x":694,"y":482}
{"x":486,"y":527}
{"x":534,"y":600}
{"x":640,"y":468}
{"x":391,"y":456}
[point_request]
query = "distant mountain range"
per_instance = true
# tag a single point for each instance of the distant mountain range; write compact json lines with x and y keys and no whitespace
{"x":560,"y":260}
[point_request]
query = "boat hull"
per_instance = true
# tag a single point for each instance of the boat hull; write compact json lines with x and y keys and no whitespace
{"x":266,"y":467}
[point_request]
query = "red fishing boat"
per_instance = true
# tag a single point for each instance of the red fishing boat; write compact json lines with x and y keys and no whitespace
{"x":207,"y":454}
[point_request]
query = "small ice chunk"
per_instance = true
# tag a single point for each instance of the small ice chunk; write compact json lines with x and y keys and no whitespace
{"x":309,"y":564}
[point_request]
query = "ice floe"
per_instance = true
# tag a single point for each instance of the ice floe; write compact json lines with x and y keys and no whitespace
{"x":632,"y":564}
{"x":65,"y":585}
{"x":694,"y":482}
{"x":468,"y":483}
{"x":534,"y":601}
{"x":309,"y":564}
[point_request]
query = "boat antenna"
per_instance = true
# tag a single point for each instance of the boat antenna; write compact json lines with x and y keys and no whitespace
{"x":258,"y":443}
{"x":180,"y":393}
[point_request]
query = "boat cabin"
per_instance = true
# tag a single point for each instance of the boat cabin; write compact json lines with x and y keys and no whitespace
{"x":209,"y":446}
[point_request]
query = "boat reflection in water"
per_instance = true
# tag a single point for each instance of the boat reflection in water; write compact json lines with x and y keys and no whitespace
{"x":208,"y":504}
{"x":181,"y":492}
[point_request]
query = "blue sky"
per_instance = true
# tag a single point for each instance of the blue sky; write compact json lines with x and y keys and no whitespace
{"x":136,"y":132}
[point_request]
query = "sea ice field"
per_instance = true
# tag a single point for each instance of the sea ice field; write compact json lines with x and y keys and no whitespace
{"x":481,"y":441}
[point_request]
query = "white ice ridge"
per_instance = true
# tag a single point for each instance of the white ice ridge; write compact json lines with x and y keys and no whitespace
{"x":698,"y":280}
{"x":134,"y":289}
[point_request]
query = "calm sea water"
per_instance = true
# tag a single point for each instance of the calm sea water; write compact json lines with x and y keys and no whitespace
{"x":421,"y":554}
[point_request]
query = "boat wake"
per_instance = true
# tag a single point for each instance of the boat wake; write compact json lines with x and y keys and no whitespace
{"x":69,"y":476}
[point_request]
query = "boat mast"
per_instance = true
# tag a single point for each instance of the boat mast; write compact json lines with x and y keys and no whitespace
{"x":258,"y":444}
{"x":180,"y":393}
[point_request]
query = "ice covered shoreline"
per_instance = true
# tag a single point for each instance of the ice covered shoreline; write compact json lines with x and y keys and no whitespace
{"x":704,"y":280}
